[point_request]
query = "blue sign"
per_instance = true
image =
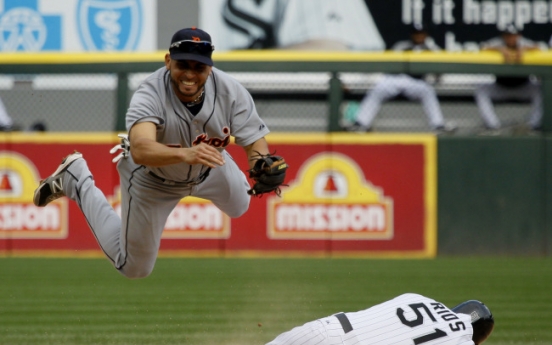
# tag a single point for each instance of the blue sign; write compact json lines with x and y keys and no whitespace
{"x":109,"y":25}
{"x":24,"y":28}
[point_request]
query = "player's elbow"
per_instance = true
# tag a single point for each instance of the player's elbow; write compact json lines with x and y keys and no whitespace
{"x":138,"y":154}
{"x":138,"y":158}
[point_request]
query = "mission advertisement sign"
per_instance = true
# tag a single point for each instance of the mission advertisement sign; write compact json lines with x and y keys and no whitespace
{"x":345,"y":195}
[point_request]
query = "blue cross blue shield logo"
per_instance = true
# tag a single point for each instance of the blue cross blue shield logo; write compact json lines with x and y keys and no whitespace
{"x":109,"y":25}
{"x":24,"y":28}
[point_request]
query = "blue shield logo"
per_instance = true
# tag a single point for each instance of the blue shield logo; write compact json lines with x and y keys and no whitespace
{"x":24,"y":28}
{"x":109,"y":25}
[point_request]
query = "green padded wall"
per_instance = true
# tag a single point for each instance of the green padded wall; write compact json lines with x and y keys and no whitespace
{"x":492,"y":195}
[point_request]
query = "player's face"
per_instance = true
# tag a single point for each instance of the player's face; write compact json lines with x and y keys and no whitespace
{"x":510,"y":40}
{"x":418,"y":37}
{"x":188,"y":77}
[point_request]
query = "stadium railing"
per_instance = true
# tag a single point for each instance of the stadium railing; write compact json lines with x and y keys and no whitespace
{"x":331,"y":77}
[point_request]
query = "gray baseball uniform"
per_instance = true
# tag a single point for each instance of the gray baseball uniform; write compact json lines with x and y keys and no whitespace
{"x":148,"y":195}
{"x":405,"y":320}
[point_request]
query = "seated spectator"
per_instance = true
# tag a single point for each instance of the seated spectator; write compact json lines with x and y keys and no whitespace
{"x":512,"y":45}
{"x":6,"y":122}
{"x":413,"y":87}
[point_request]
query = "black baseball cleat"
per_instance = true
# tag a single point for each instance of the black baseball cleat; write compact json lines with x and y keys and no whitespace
{"x":446,"y":128}
{"x":356,"y":127}
{"x":51,"y":188}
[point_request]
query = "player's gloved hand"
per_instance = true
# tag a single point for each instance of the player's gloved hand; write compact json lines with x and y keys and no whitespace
{"x":124,"y":147}
{"x":268,"y":173}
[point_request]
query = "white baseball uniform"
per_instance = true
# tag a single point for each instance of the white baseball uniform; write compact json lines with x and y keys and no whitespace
{"x":409,"y":319}
{"x":412,"y":87}
{"x":148,"y":195}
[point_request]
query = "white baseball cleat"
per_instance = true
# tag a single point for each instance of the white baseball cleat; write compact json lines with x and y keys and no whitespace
{"x":51,"y":188}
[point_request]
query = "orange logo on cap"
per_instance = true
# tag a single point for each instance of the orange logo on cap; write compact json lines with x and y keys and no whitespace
{"x":197,"y":39}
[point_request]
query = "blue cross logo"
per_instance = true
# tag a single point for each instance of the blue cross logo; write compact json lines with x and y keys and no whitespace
{"x":109,"y":25}
{"x":23,"y":28}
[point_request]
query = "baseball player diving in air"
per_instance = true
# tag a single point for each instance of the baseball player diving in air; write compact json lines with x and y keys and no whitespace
{"x":179,"y":123}
{"x":409,"y":319}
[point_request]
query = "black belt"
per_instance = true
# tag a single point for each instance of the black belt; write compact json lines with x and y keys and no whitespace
{"x":201,"y":178}
{"x":344,"y":321}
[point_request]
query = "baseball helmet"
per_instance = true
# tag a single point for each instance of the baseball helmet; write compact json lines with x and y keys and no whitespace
{"x":481,"y":319}
{"x":418,"y":28}
{"x":192,"y":44}
{"x":511,"y":29}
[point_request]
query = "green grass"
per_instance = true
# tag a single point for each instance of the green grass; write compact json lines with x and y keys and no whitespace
{"x":250,"y":301}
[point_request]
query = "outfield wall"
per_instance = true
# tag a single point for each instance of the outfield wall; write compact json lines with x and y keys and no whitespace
{"x":380,"y":195}
{"x":494,"y":195}
{"x":345,"y":196}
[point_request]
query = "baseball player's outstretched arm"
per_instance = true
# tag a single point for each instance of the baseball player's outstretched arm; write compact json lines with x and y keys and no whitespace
{"x":258,"y":147}
{"x":145,"y":150}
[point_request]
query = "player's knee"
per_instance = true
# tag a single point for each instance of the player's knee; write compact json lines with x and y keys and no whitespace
{"x":240,"y":209}
{"x":236,"y":213}
{"x":136,"y":272}
{"x":136,"y":269}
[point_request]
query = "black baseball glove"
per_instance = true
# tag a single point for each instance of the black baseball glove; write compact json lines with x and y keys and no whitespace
{"x":268,"y":173}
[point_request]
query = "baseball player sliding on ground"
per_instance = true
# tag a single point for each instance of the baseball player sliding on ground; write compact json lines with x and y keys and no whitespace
{"x":409,"y":319}
{"x":179,"y":121}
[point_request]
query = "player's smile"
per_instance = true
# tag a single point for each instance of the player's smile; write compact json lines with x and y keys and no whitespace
{"x":188,"y":87}
{"x":188,"y":77}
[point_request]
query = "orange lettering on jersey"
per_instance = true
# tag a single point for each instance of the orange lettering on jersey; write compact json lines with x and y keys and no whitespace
{"x":215,"y":142}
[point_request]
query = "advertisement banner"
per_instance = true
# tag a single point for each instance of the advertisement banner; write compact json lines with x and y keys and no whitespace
{"x":460,"y":25}
{"x":345,"y":195}
{"x":78,"y":25}
{"x":455,"y":25}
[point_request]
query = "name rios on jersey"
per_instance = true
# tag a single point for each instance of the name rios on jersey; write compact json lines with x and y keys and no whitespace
{"x":442,"y":312}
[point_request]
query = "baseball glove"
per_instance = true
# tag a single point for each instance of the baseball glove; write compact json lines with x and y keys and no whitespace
{"x":268,"y":173}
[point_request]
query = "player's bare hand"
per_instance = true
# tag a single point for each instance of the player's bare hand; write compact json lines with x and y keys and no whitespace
{"x":204,"y":154}
{"x":512,"y":56}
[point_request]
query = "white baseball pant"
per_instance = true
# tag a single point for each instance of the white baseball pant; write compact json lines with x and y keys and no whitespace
{"x":487,"y":93}
{"x":393,"y":85}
